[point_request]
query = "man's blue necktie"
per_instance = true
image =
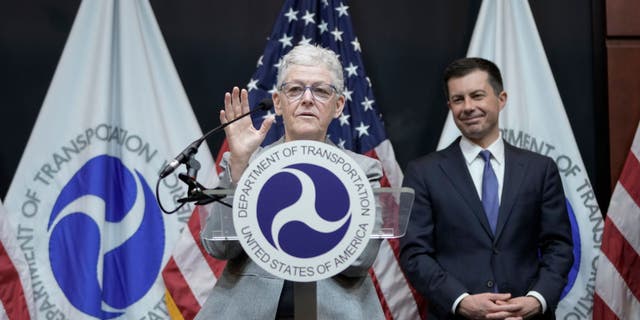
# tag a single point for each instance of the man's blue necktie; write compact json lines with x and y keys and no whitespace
{"x":490,"y":201}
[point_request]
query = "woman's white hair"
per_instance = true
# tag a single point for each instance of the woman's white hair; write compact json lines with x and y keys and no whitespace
{"x":310,"y":55}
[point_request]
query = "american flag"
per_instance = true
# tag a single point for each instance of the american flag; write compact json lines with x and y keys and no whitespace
{"x":191,"y":273}
{"x":16,"y":292}
{"x":617,"y":292}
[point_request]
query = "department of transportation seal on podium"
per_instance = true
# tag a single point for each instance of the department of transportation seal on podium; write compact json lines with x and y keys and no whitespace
{"x":304,"y":210}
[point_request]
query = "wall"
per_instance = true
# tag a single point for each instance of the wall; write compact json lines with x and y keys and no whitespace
{"x":623,"y":64}
{"x":405,"y":45}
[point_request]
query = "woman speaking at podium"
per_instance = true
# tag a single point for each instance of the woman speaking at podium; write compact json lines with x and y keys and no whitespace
{"x":309,"y":96}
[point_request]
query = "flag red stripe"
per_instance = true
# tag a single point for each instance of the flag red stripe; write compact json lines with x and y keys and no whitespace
{"x":384,"y":182}
{"x":420,"y":301}
{"x":217,"y":266}
{"x":622,"y":256}
{"x":601,"y":310}
{"x":383,"y":301}
{"x":395,"y":247}
{"x":177,"y":285}
{"x":630,"y":177}
{"x":179,"y":290}
{"x":224,"y":148}
{"x":12,"y":293}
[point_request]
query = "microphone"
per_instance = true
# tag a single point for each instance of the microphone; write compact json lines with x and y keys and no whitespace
{"x":264,"y":105}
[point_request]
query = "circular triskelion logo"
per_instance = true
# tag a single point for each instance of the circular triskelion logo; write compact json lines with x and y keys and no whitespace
{"x":303,"y":210}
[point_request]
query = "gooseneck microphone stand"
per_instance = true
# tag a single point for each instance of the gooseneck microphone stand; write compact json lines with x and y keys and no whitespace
{"x":187,"y":157}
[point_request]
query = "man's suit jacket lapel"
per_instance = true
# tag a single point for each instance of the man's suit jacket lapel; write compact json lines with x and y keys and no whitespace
{"x":455,"y":168}
{"x":514,"y":175}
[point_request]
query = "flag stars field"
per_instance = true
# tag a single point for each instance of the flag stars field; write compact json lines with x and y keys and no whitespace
{"x":274,"y":89}
{"x":277,"y":64}
{"x":347,"y":94}
{"x":308,"y":17}
{"x":270,"y":114}
{"x":344,"y":119}
{"x":351,"y":70}
{"x":305,"y":40}
{"x":367,"y":104}
{"x":337,"y":34}
{"x":356,"y":45}
{"x":292,"y":15}
{"x":323,"y":27}
{"x":342,"y":10}
{"x":341,"y":143}
{"x":252,"y":85}
{"x":362,"y":129}
{"x":286,"y":41}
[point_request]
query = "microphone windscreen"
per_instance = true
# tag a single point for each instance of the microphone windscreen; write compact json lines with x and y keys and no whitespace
{"x":265,"y":104}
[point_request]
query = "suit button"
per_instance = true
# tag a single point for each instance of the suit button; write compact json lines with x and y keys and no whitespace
{"x":495,"y":251}
{"x":489,"y":284}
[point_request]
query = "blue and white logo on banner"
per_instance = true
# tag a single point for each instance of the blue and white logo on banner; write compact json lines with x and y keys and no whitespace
{"x":124,"y":223}
{"x":85,"y":216}
{"x":304,"y":210}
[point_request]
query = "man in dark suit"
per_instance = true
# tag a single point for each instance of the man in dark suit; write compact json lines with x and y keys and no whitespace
{"x":489,"y":235}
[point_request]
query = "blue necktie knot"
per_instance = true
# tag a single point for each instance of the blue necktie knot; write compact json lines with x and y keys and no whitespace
{"x":490,"y":200}
{"x":486,"y":155}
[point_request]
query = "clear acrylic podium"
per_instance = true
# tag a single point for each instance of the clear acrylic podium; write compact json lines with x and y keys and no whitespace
{"x":393,"y":208}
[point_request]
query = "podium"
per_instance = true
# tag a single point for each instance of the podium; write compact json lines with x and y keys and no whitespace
{"x":393,"y":208}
